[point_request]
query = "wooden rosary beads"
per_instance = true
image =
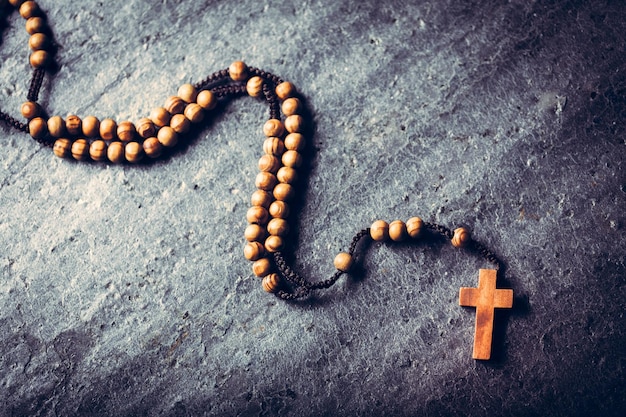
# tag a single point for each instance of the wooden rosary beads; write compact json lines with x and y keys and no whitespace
{"x":106,"y":140}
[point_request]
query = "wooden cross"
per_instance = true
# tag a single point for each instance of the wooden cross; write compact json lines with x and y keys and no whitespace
{"x":486,"y":298}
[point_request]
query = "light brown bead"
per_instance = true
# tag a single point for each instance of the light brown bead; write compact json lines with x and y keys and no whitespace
{"x":261,"y":198}
{"x":273,"y":146}
{"x":115,"y":152}
{"x":295,"y":142}
{"x":287,"y":175}
{"x":269,"y":163}
{"x":30,"y":110}
{"x":16,"y":3}
{"x":379,"y":230}
{"x":38,"y":41}
{"x":180,"y":123}
{"x":414,"y":227}
{"x":294,"y":123}
{"x":108,"y":129}
{"x":273,"y":127}
{"x":167,"y":136}
{"x":238,"y":71}
{"x":126,"y":131}
{"x":174,"y":105}
{"x":285,"y":90}
{"x":283,"y":192}
{"x":262,"y":267}
{"x":39,"y":59}
{"x":36,"y":25}
{"x":397,"y":231}
{"x":291,"y":106}
{"x":80,"y":149}
{"x":145,"y":128}
{"x":133,"y":151}
{"x":98,"y":150}
{"x":279,"y":210}
{"x":160,"y":117}
{"x":274,"y":244}
{"x":29,"y":9}
{"x":257,"y":215}
{"x":271,"y":283}
{"x":253,"y":251}
{"x":343,"y":262}
{"x":461,"y":237}
{"x":91,"y":127}
{"x":254,"y":86}
{"x":206,"y":99}
{"x":62,"y":147}
{"x":254,"y":233}
{"x":265,"y":181}
{"x":74,"y":125}
{"x":152,"y":147}
{"x":187,"y":93}
{"x":38,"y":128}
{"x":56,"y":126}
{"x":292,"y":159}
{"x":278,"y":227}
{"x":194,"y":112}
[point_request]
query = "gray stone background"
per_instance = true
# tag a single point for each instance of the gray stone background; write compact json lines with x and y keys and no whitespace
{"x":124,"y":291}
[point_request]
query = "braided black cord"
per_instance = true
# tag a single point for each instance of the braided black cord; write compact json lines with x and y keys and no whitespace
{"x":272,"y":101}
{"x":13,"y":122}
{"x":216,"y":77}
{"x":266,"y":75}
{"x":229,"y":90}
{"x":35,"y":84}
{"x":442,"y":230}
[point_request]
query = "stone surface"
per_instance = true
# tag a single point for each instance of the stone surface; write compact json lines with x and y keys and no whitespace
{"x":124,"y":290}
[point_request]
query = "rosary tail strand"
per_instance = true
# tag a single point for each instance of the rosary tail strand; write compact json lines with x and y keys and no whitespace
{"x":35,"y":84}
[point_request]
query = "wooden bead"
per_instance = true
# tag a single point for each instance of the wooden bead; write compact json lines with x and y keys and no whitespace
{"x":294,"y":123}
{"x":257,"y":215}
{"x":291,"y":106}
{"x":343,"y":262}
{"x":261,"y":198}
{"x":253,"y":251}
{"x":273,"y":146}
{"x":29,"y":9}
{"x":91,"y":127}
{"x":271,"y":283}
{"x":285,"y":90}
{"x":160,"y":117}
{"x":38,"y":128}
{"x":278,"y":227}
{"x":187,"y":93}
{"x":194,"y":112}
{"x":36,"y":25}
{"x":279,"y":210}
{"x":273,"y":127}
{"x":174,"y":105}
{"x":38,"y":41}
{"x":16,"y":3}
{"x":108,"y":129}
{"x":39,"y":59}
{"x":262,"y":267}
{"x":30,"y":110}
{"x":254,"y":86}
{"x":98,"y":150}
{"x":461,"y":237}
{"x":269,"y":163}
{"x":283,"y":192}
{"x":152,"y":147}
{"x":206,"y":99}
{"x":414,"y":227}
{"x":115,"y":152}
{"x":126,"y":131}
{"x":274,"y":244}
{"x":80,"y":149}
{"x":145,"y":128}
{"x":74,"y":125}
{"x":397,"y":231}
{"x":379,"y":230}
{"x":180,"y":123}
{"x":265,"y":181}
{"x":62,"y":147}
{"x":238,"y":71}
{"x":292,"y":159}
{"x":133,"y":151}
{"x":295,"y":142}
{"x":56,"y":126}
{"x":167,"y":136}
{"x":287,"y":175}
{"x":254,"y":233}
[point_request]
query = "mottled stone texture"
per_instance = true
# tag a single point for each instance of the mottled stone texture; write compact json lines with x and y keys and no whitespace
{"x":124,"y":290}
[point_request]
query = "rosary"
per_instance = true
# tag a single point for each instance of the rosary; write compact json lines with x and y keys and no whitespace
{"x":276,"y":183}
